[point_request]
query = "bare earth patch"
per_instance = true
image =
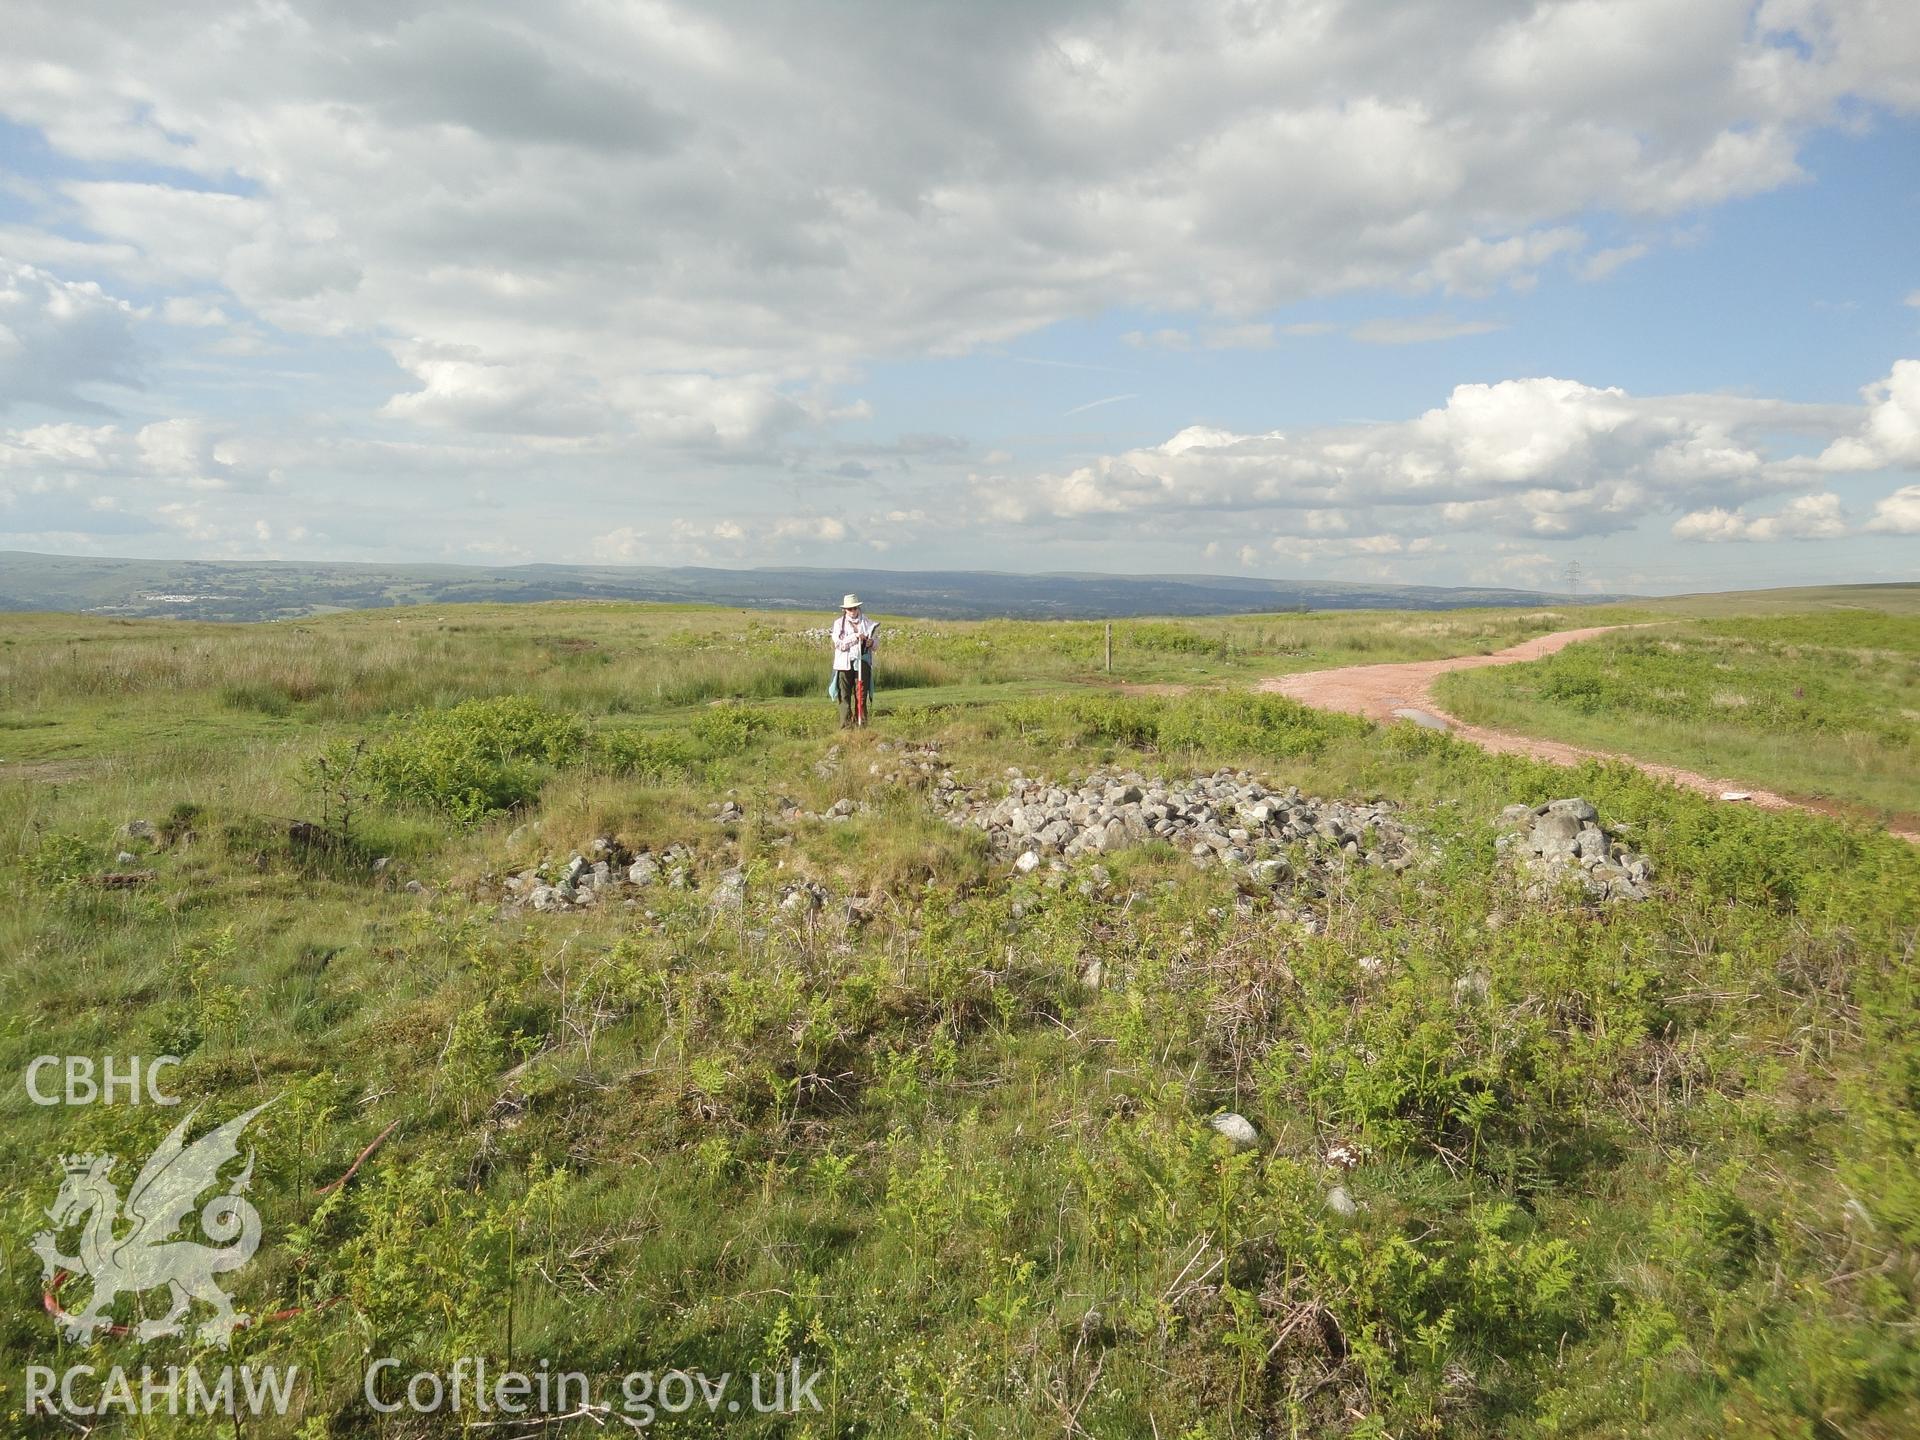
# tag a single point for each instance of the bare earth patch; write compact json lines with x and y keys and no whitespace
{"x":46,"y":772}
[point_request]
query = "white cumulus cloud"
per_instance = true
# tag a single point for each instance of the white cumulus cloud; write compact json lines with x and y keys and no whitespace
{"x":59,"y":337}
{"x":1891,"y":434}
{"x":1541,"y":456}
{"x":1898,"y":513}
{"x":726,"y":189}
{"x":1807,"y":517}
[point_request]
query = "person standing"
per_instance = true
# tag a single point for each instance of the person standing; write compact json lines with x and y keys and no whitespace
{"x":852,"y":636}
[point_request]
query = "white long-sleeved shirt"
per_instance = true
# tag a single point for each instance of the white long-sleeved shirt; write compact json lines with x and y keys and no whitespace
{"x":849,"y":638}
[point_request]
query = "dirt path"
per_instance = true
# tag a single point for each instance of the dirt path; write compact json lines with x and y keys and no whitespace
{"x":1405,"y":692}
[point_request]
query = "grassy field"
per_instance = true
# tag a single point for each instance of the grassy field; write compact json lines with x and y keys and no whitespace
{"x":1823,"y":704}
{"x":1647,"y":1169}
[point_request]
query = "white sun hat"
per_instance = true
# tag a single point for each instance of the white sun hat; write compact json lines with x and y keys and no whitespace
{"x":849,"y":602}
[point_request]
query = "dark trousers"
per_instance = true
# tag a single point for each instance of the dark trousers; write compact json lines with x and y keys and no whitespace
{"x":865,"y":674}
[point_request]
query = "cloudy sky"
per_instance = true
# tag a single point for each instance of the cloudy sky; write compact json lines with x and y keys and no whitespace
{"x":1344,"y":288}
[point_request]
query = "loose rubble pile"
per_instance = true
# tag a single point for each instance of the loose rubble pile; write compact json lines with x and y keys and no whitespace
{"x":1226,"y":818}
{"x":915,"y":766}
{"x":608,"y":870}
{"x":789,"y":812}
{"x":1564,"y":838}
{"x":608,"y":873}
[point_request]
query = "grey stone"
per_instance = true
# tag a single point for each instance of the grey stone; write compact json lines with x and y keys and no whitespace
{"x":1028,"y":862}
{"x":1340,"y":1202}
{"x":139,"y":830}
{"x":1554,"y":834}
{"x":1236,"y":1128}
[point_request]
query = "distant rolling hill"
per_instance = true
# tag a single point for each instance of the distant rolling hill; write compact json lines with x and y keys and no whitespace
{"x":271,"y":590}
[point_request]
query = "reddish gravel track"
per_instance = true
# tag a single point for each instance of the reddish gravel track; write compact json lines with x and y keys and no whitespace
{"x":1405,"y":691}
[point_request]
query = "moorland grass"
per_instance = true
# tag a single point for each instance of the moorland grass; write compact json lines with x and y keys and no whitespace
{"x":1663,"y":1178}
{"x":1823,"y":705}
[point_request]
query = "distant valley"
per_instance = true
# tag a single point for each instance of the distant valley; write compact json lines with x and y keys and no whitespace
{"x":274,"y":590}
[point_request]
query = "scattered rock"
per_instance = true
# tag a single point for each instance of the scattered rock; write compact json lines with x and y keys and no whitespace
{"x":1563,"y":839}
{"x":804,"y":898}
{"x":731,"y":890}
{"x":140,"y":830}
{"x":1236,"y":1128}
{"x":1341,"y":1203}
{"x":1028,"y":862}
{"x":1516,"y":817}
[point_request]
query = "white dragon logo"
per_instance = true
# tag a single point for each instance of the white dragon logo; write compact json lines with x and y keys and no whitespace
{"x":148,"y":1256}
